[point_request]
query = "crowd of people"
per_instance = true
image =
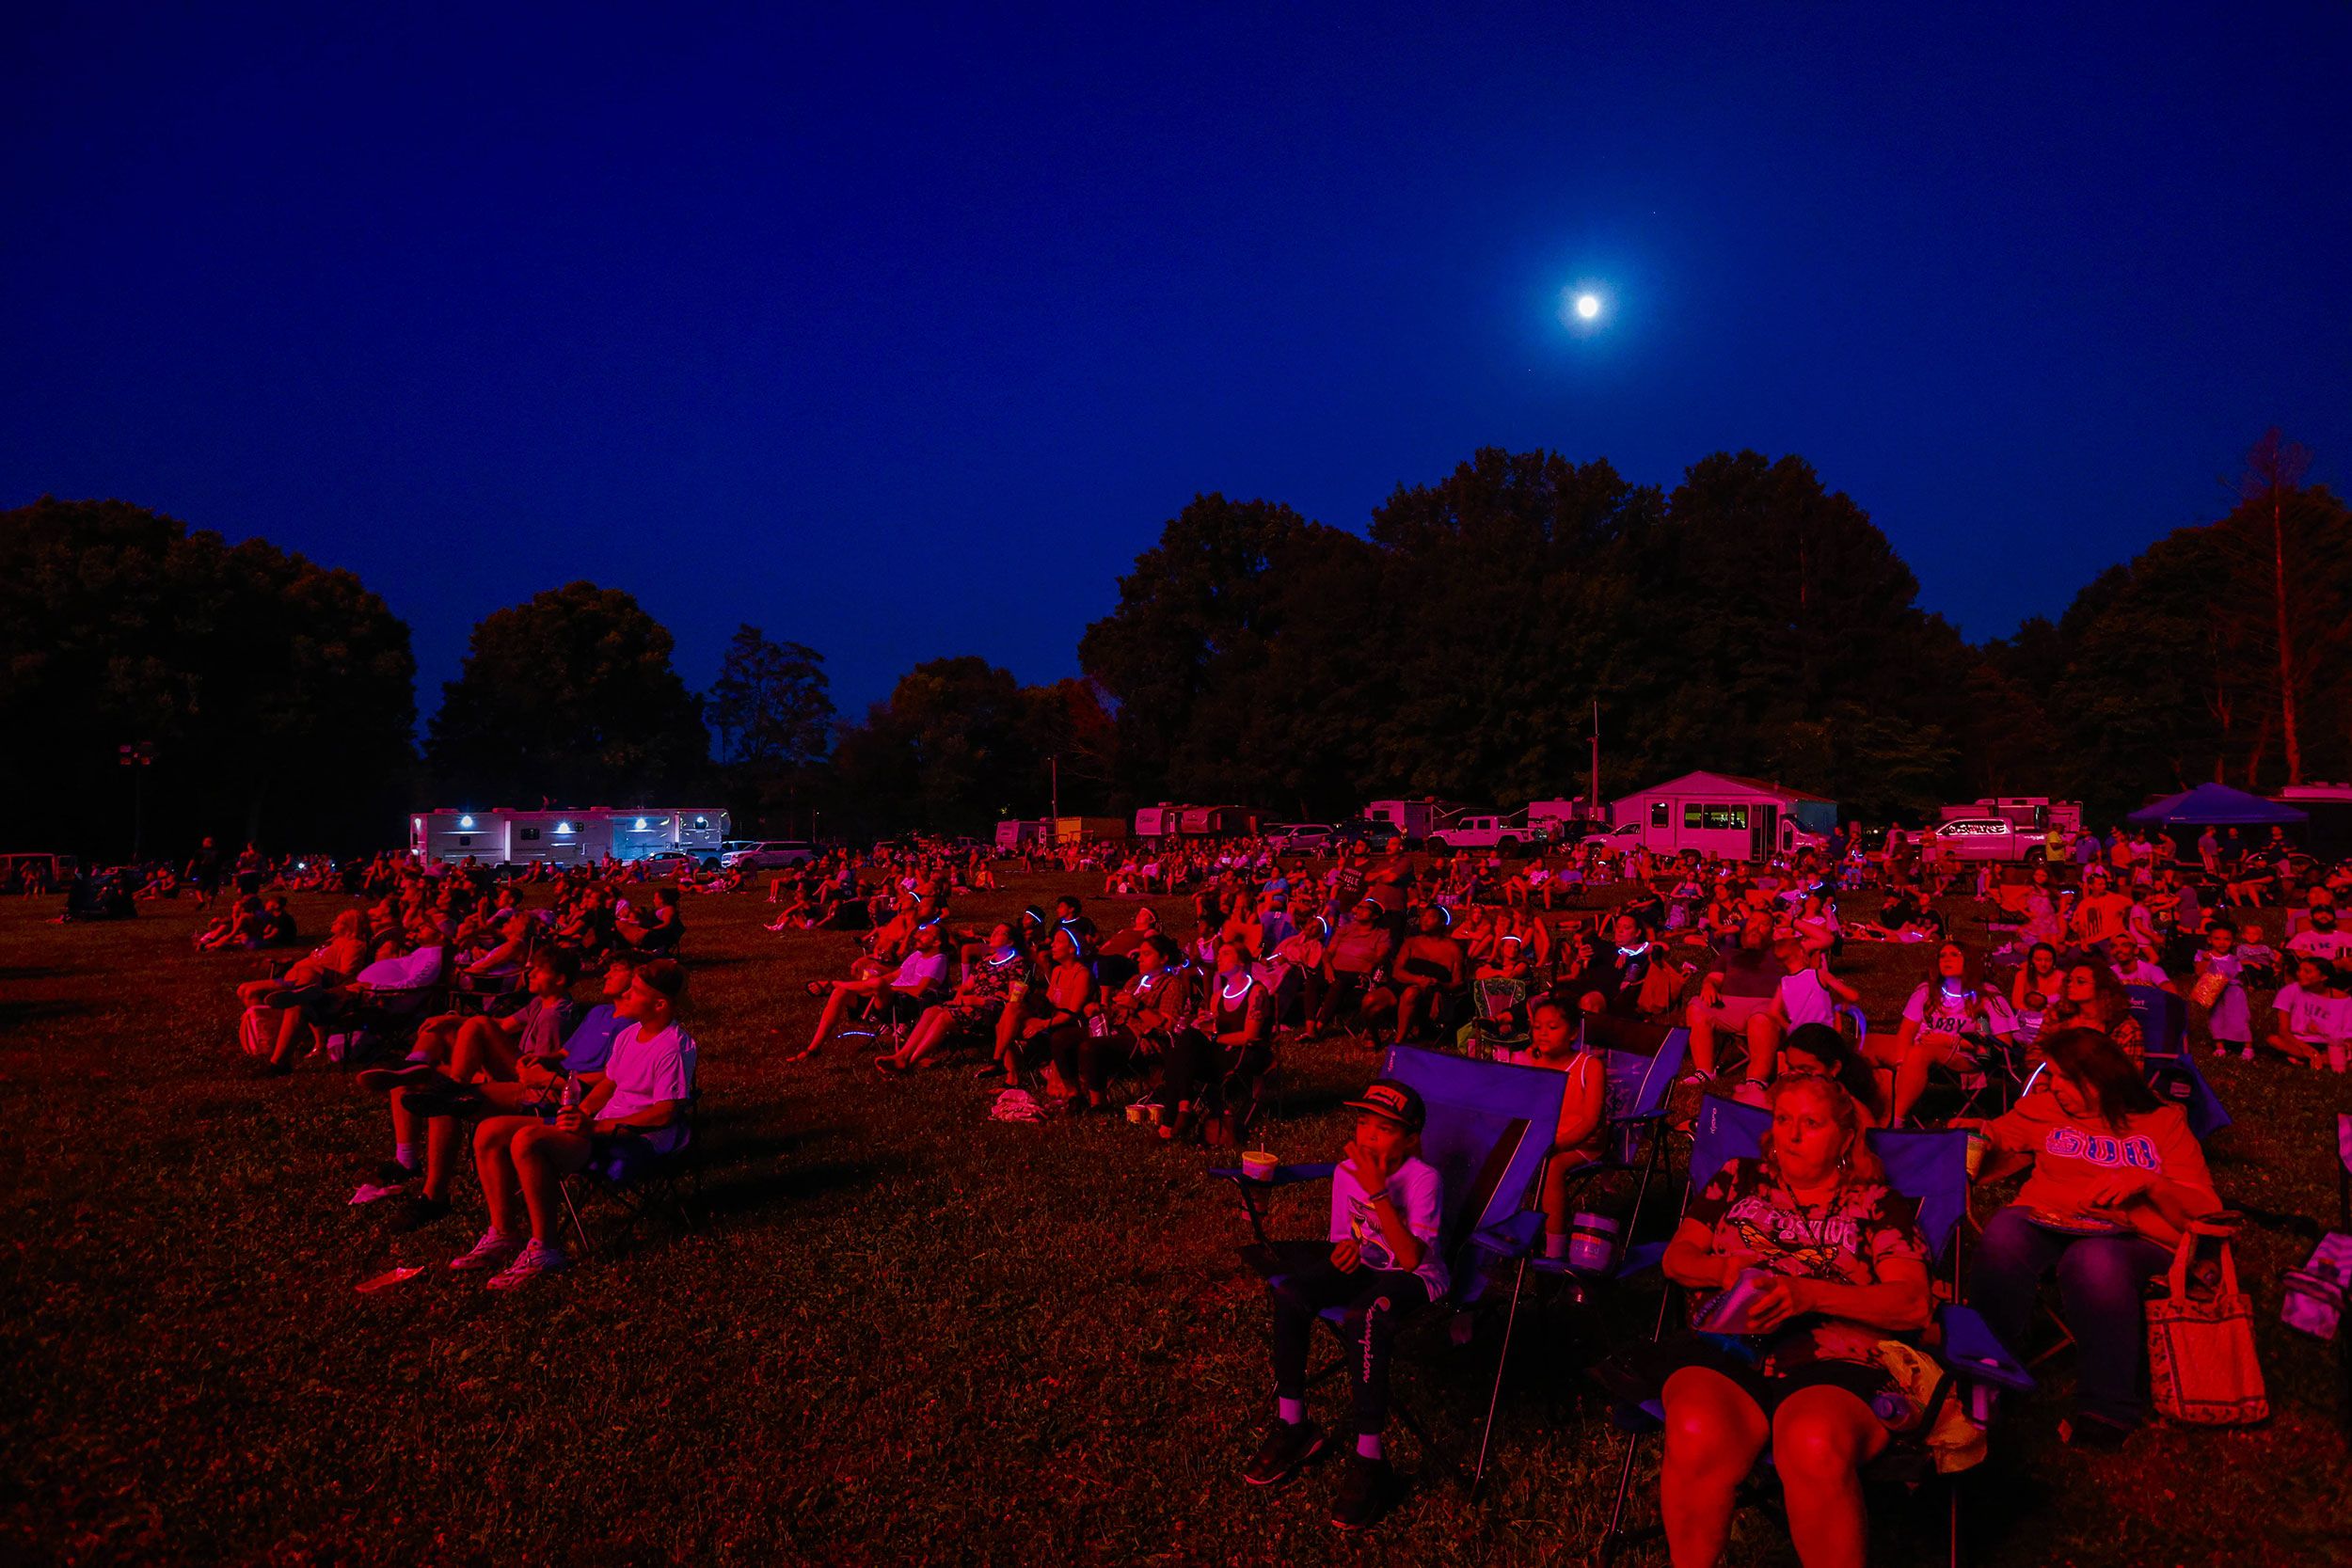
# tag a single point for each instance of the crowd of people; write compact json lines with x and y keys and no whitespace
{"x":2019,"y":1025}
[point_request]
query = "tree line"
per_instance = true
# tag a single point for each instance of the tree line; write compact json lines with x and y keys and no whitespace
{"x":1750,"y":620}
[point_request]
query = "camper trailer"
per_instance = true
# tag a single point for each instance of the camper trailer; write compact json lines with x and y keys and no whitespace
{"x":502,"y":836}
{"x":1726,"y":816}
{"x":1218,"y":822}
{"x":1165,"y":820}
{"x":1015,"y":832}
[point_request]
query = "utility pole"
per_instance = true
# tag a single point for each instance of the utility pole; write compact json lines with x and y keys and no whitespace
{"x":1592,"y":804}
{"x":137,"y":755}
{"x":1054,"y":810}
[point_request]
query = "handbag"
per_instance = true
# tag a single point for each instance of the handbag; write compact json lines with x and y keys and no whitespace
{"x":2201,"y":1367}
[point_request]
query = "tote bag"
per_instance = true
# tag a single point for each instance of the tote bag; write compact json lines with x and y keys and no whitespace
{"x":2200,"y":1348}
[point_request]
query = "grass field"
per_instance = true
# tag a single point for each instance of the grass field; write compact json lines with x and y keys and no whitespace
{"x":907,"y":1333}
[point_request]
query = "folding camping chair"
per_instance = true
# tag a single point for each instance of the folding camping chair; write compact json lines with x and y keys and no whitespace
{"x":1498,"y":1018}
{"x":1637,"y":1085}
{"x":667,"y":1186}
{"x":1489,"y":1125}
{"x":2170,"y":1066}
{"x":1931,"y":1167}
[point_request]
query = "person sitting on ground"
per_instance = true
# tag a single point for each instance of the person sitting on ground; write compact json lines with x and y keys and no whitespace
{"x":1226,"y":1047}
{"x":2117,"y":1175}
{"x":1736,"y":993}
{"x":2134,"y":965}
{"x":2311,"y":1020}
{"x":919,"y":978}
{"x":1387,"y":1205}
{"x":1830,"y":1263}
{"x":1429,"y":974}
{"x":634,"y":1111}
{"x":1555,"y":1043}
{"x":1950,"y":1019}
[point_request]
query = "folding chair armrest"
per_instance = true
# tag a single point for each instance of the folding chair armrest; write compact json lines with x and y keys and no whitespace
{"x":1976,"y":1355}
{"x":1511,"y":1237}
{"x":1284,"y":1175}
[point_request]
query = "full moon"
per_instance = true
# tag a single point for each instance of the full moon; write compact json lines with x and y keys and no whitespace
{"x":1587,"y":307}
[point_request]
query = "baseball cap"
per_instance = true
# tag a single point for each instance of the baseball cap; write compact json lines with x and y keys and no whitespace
{"x":1393,"y":1101}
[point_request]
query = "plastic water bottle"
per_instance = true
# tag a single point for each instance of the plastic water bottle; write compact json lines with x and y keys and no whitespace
{"x":571,"y":1099}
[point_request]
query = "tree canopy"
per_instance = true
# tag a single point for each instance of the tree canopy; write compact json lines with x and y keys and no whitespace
{"x":569,"y":696}
{"x":278,"y":696}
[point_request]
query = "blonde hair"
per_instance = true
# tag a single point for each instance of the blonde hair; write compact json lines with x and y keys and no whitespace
{"x":1858,"y":1164}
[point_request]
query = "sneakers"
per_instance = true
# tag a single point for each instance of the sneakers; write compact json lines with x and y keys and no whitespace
{"x":536,"y":1259}
{"x":371,"y":1191}
{"x":492,"y":1251}
{"x":1285,"y":1448}
{"x":1367,"y":1489}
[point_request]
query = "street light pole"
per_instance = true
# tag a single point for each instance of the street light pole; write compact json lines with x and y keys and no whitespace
{"x":137,"y":755}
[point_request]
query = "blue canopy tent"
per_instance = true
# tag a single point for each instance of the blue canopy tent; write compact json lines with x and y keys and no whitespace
{"x":2214,"y":805}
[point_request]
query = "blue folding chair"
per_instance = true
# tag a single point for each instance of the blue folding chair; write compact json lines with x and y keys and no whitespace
{"x":1489,"y":1126}
{"x":2170,"y":1066}
{"x":1636,"y":1088}
{"x":1929,"y":1167}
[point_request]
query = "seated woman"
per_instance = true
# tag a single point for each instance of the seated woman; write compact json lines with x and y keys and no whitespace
{"x":1834,"y":1263}
{"x":2116,"y":1174}
{"x":1554,"y":1042}
{"x":2093,"y":997}
{"x":2034,"y":987}
{"x":1430,"y":975}
{"x":1228,"y":1047}
{"x":2312,"y":1021}
{"x":1952,"y":1017}
{"x":1821,"y":1051}
{"x":1060,"y":1014}
{"x":1137,"y":1020}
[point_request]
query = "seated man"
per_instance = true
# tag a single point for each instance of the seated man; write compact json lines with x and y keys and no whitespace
{"x":524,"y":1070}
{"x":658,"y":934}
{"x":634,"y":1110}
{"x":1736,"y":993}
{"x":920,"y":977}
{"x":310,"y":987}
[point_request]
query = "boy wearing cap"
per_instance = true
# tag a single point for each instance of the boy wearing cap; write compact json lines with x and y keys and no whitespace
{"x":1387,"y":1204}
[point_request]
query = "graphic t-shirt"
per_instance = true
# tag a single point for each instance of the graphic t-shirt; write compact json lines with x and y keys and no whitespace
{"x":2313,"y":1017}
{"x":2326,"y":946}
{"x":1419,"y":1195}
{"x":1937,"y":1009}
{"x":2072,"y":1156}
{"x":1850,"y":1239}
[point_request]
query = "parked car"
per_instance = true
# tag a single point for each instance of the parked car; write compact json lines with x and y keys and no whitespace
{"x":1301,"y":838}
{"x":669,"y":862}
{"x":1624,"y":836}
{"x":772,"y":854}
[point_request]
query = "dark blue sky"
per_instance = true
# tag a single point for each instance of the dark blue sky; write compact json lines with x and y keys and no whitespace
{"x":902,"y":339}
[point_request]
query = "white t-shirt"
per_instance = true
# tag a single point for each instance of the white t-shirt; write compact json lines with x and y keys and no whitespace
{"x":1984,"y":1012}
{"x":2327,"y":947}
{"x":2311,"y":1017}
{"x":418,"y":968}
{"x":647,"y":1071}
{"x":1417,"y":1192}
{"x":2139,"y":972}
{"x":921,"y":971}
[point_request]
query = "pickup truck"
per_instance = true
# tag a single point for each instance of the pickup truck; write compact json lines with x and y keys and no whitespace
{"x":1989,"y":838}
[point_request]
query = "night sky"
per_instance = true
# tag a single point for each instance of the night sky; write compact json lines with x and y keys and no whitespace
{"x":903,"y":340}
